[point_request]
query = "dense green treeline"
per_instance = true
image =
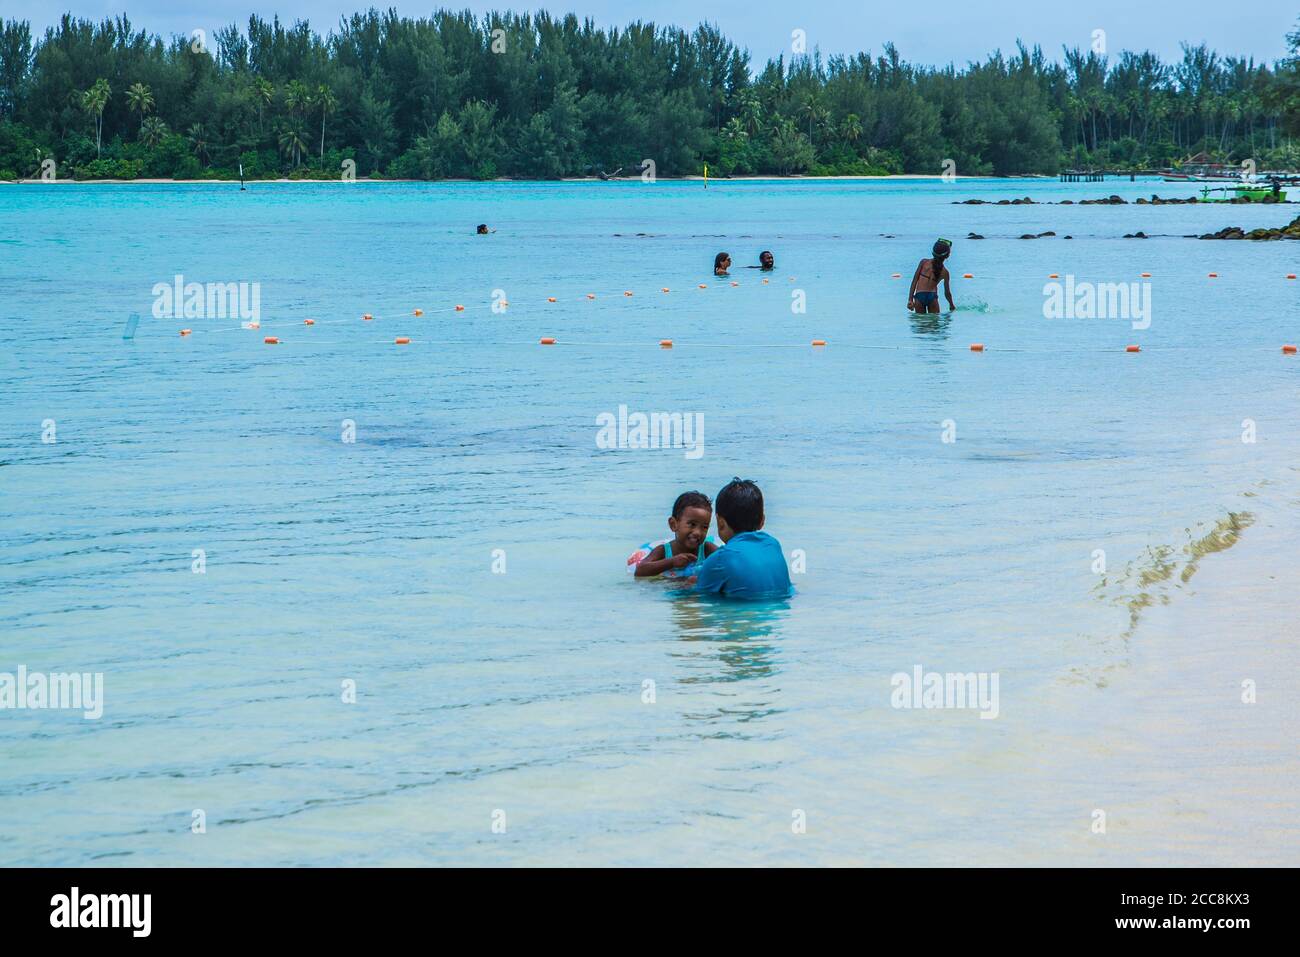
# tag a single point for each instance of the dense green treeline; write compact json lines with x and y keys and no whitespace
{"x":537,"y":96}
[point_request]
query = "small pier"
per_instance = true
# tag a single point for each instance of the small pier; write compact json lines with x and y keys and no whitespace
{"x":1097,"y":175}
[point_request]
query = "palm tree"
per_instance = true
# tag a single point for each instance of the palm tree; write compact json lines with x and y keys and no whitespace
{"x":326,"y":101}
{"x":199,"y":142}
{"x":140,"y":99}
{"x":296,"y":96}
{"x":734,"y":130}
{"x":851,"y":128}
{"x":813,"y":109}
{"x":93,"y":102}
{"x":152,"y":131}
{"x":751,"y":112}
{"x":292,"y":144}
{"x":263,"y":94}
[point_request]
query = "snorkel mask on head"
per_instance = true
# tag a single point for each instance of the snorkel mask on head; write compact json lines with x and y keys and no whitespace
{"x":942,"y":247}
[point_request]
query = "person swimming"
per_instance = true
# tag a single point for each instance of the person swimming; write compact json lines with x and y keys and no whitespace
{"x":923,"y":296}
{"x":483,"y":229}
{"x":751,"y":564}
{"x":766,"y":261}
{"x":721,"y":263}
{"x":689,"y":523}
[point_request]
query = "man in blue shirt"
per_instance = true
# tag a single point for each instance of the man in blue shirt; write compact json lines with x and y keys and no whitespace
{"x":751,"y":564}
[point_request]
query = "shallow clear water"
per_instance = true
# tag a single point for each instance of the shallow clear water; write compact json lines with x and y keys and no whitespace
{"x":477,"y":692}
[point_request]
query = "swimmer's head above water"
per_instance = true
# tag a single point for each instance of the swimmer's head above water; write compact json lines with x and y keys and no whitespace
{"x":721,"y":263}
{"x":766,"y":260}
{"x":739,"y":508}
{"x":482,"y":229}
{"x":692,"y":515}
{"x":942,"y":250}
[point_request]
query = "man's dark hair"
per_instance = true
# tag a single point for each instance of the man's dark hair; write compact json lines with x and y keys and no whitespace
{"x":741,"y":503}
{"x":690,"y":500}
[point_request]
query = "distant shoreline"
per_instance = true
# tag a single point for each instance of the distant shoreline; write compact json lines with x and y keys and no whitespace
{"x":569,"y":179}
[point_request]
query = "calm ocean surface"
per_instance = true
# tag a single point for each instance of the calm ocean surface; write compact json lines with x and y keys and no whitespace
{"x":518,"y":697}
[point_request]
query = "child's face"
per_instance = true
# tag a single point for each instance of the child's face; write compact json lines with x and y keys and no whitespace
{"x":691,"y":527}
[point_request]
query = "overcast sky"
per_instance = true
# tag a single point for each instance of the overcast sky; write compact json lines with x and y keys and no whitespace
{"x":932,"y":33}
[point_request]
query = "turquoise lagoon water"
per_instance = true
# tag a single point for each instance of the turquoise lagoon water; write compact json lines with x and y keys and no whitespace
{"x":520,"y":697}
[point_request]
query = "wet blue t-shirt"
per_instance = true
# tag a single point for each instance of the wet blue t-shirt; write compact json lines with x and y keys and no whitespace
{"x":751,"y":565}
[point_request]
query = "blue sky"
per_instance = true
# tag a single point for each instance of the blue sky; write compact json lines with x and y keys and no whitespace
{"x":934,"y":33}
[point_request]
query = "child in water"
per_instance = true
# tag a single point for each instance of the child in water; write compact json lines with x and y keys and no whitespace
{"x":752,"y":565}
{"x":923,"y":296}
{"x":689,"y":523}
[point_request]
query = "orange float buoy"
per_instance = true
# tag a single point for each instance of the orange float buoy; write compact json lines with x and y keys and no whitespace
{"x":460,"y":308}
{"x":735,"y":284}
{"x":967,"y":275}
{"x":766,"y":281}
{"x":1290,"y":275}
{"x":401,"y":341}
{"x":548,"y":341}
{"x":185,"y":332}
{"x":367,"y":317}
{"x":1146,"y":275}
{"x":550,"y":299}
{"x":703,"y":286}
{"x":627,"y":292}
{"x":309,"y":322}
{"x":977,"y":347}
{"x":664,"y":289}
{"x":1053,"y":276}
{"x":1213,"y":275}
{"x":271,"y":341}
{"x":665,"y":343}
{"x":419,"y":312}
{"x":819,"y":342}
{"x":1133,"y":349}
{"x":1288,"y":350}
{"x":897,"y":275}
